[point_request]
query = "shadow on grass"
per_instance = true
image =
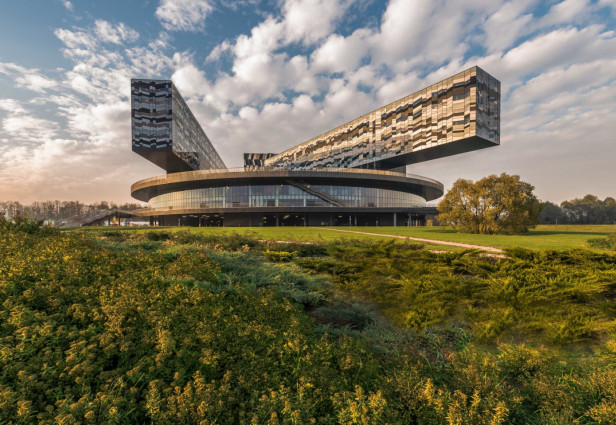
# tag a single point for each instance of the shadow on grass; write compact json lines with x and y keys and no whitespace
{"x":562,"y":232}
{"x":530,"y":233}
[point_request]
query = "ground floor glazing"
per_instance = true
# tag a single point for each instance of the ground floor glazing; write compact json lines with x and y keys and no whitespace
{"x":266,"y":219}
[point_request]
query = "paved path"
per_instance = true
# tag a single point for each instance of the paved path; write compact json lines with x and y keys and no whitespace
{"x":462,"y":245}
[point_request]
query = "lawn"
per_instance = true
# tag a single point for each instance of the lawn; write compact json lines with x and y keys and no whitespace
{"x":542,"y":238}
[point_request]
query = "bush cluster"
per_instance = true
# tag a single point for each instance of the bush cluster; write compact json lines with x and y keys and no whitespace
{"x":551,"y":297}
{"x":608,"y":242}
{"x":125,"y":327}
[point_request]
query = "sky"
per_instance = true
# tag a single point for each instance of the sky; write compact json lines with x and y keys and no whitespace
{"x":262,"y":76}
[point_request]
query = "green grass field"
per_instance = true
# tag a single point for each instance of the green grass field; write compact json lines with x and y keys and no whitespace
{"x":542,"y":238}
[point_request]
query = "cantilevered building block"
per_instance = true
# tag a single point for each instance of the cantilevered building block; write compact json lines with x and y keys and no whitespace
{"x":456,"y":115}
{"x":164,"y":130}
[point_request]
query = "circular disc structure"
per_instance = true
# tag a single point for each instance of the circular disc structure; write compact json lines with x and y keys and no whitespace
{"x":285,"y":197}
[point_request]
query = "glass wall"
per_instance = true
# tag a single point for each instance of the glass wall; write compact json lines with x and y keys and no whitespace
{"x":284,"y":195}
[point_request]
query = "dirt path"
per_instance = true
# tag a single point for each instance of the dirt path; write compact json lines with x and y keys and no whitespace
{"x":462,"y":245}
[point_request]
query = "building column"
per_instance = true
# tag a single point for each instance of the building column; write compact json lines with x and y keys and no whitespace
{"x":395,"y":219}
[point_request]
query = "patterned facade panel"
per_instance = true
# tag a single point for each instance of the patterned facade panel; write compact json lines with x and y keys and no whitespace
{"x":165,"y":131}
{"x":151,"y":114}
{"x":463,"y":108}
{"x":254,"y":161}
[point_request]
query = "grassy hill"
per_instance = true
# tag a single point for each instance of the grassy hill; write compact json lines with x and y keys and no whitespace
{"x":125,"y":326}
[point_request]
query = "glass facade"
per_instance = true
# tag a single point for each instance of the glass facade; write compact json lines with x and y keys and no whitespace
{"x":461,"y":107}
{"x":284,"y":195}
{"x":165,"y":131}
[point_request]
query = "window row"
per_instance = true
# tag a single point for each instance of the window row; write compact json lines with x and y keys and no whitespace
{"x":284,"y":196}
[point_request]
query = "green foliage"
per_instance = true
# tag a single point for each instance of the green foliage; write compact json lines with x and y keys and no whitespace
{"x":279,"y":256}
{"x":609,"y":242}
{"x":551,"y":214}
{"x":24,"y":224}
{"x":91,"y":335}
{"x":493,"y":205}
{"x":590,"y":210}
{"x":188,"y":328}
{"x":354,"y":316}
{"x":157,"y":235}
{"x":551,"y":297}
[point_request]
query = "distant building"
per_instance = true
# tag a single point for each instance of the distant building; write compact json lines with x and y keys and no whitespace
{"x":352,"y":175}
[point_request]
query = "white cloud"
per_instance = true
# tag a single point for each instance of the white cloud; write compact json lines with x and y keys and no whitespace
{"x":218,"y":51}
{"x":264,"y":38}
{"x":68,"y":5}
{"x":565,"y":11}
{"x":505,"y":25}
{"x":24,"y":127}
{"x":416,"y":33}
{"x":341,"y":54}
{"x":311,"y":20}
{"x":75,"y":39}
{"x":191,"y":81}
{"x":30,"y":79}
{"x":555,"y":49}
{"x":183,"y":15}
{"x":11,"y":105}
{"x":116,"y":34}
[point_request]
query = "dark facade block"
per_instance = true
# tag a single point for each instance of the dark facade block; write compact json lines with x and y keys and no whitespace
{"x":165,"y":131}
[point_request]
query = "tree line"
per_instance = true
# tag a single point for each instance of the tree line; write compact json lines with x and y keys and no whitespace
{"x":59,"y":210}
{"x":587,"y":210}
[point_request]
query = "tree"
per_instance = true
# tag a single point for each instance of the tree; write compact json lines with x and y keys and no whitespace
{"x":495,"y":204}
{"x":609,"y":204}
{"x":590,"y":210}
{"x":551,"y":214}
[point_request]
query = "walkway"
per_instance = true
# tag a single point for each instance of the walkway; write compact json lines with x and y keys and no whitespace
{"x":458,"y":244}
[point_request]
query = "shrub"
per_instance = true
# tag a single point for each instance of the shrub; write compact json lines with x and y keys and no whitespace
{"x":156,"y":235}
{"x":609,"y":242}
{"x":109,"y":331}
{"x":24,"y":224}
{"x":279,"y":256}
{"x":354,"y":316}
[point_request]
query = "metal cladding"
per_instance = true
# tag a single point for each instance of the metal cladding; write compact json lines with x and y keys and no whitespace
{"x":165,"y":131}
{"x":458,"y":114}
{"x":254,"y":161}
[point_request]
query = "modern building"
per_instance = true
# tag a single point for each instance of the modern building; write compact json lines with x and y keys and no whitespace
{"x":353,"y":175}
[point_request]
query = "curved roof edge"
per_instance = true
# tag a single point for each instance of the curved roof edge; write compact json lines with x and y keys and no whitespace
{"x":145,"y":189}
